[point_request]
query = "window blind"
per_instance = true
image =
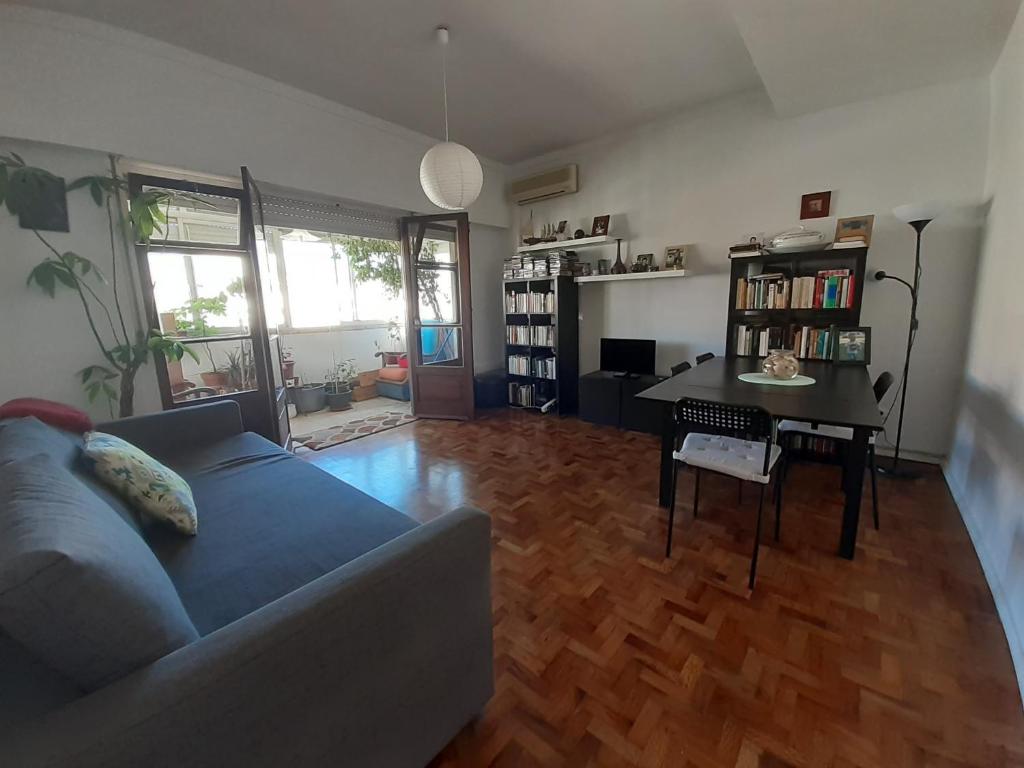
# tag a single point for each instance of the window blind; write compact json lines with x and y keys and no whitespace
{"x":295,"y":210}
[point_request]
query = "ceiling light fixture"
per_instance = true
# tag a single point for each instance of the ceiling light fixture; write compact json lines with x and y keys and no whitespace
{"x":450,"y":173}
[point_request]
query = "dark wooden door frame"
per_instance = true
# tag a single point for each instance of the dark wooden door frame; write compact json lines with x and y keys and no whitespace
{"x":250,"y":277}
{"x":462,"y":374}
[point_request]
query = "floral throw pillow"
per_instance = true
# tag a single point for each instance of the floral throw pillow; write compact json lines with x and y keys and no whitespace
{"x":142,"y":481}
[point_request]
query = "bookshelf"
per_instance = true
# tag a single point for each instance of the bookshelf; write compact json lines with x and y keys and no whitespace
{"x":542,"y":342}
{"x":794,"y":308}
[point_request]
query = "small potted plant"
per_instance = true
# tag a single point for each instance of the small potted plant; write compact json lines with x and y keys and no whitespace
{"x":338,"y":388}
{"x":309,"y":398}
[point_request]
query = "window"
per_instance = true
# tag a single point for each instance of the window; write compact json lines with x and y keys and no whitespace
{"x":330,"y":281}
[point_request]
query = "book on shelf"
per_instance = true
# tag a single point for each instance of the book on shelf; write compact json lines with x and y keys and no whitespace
{"x":542,"y":335}
{"x":545,"y":368}
{"x":828,"y":289}
{"x":745,"y":250}
{"x":550,"y":264}
{"x":521,"y":302}
{"x":808,"y":342}
{"x":520,"y":394}
{"x":519,"y":365}
{"x":518,"y":334}
{"x":849,"y":242}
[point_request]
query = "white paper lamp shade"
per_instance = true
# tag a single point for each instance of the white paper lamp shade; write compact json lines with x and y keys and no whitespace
{"x":451,"y":176}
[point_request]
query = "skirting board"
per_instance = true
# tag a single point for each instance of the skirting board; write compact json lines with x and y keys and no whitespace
{"x":1013,"y":635}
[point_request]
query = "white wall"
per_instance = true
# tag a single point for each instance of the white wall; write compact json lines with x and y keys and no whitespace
{"x":986,"y":466}
{"x":45,"y":341}
{"x":710,"y":175}
{"x":75,"y":82}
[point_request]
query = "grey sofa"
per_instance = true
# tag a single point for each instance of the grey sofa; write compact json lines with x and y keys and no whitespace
{"x":333,"y":630}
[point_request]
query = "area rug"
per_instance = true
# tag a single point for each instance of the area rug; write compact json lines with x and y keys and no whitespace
{"x":353,"y":430}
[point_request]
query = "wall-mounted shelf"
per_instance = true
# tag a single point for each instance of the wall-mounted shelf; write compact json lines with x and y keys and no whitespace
{"x":636,"y":276}
{"x":568,"y":245}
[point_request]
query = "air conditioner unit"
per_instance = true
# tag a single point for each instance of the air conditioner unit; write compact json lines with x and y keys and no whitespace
{"x":561,"y":181}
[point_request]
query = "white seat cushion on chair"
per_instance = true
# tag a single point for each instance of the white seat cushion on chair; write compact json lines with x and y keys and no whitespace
{"x":729,"y":455}
{"x":821,"y":430}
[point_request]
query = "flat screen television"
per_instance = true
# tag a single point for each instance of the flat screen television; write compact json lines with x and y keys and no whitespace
{"x":628,"y":356}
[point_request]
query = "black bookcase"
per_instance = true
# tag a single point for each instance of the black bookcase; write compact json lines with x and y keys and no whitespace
{"x":553,"y":349}
{"x":788,"y":319}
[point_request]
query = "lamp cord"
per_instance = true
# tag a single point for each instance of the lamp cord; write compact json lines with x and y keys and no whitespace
{"x":444,"y":85}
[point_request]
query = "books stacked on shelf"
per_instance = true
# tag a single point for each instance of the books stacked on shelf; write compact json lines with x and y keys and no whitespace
{"x":521,"y":303}
{"x":519,"y":365}
{"x":518,"y":334}
{"x":542,"y":335}
{"x":808,"y":342}
{"x":545,"y":368}
{"x":551,"y":264}
{"x":828,"y":289}
{"x":745,"y":250}
{"x":768,"y":291}
{"x":812,"y":343}
{"x":520,"y":394}
{"x":853,"y":241}
{"x":564,"y":263}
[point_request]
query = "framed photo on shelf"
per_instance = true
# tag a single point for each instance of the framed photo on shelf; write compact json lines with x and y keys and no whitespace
{"x":855,"y":228}
{"x":851,"y":345}
{"x":675,"y":257}
{"x":600,"y":227}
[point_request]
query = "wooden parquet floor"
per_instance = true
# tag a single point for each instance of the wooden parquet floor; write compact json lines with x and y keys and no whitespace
{"x":607,"y":654}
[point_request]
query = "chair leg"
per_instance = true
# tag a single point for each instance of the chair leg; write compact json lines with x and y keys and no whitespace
{"x":672,"y":508}
{"x":778,"y":505}
{"x":874,"y":484}
{"x":696,"y":490}
{"x":757,"y":539}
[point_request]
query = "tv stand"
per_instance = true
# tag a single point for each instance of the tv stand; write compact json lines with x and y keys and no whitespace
{"x":609,"y":398}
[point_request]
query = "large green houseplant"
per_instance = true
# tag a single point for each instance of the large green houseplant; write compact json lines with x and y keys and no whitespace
{"x":124,"y":346}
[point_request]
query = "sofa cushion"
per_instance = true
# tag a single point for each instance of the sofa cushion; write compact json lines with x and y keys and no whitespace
{"x":78,"y":588}
{"x":145,"y":483}
{"x":50,"y":412}
{"x":21,"y":438}
{"x":271,"y":524}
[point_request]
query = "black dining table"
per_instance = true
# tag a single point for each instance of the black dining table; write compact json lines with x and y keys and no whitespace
{"x":840,"y":395}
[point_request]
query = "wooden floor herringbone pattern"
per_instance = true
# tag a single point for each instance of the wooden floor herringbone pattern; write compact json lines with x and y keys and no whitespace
{"x":607,"y":654}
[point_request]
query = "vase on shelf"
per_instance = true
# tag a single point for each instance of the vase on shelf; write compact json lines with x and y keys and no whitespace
{"x":618,"y":268}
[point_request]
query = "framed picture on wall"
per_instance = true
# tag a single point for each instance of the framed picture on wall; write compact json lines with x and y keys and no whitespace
{"x":815,"y":205}
{"x":851,"y":345}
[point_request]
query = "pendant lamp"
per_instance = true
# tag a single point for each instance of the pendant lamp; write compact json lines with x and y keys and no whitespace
{"x":450,"y":173}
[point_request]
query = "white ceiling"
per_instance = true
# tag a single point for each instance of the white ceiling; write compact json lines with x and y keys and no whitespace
{"x":813,"y":54}
{"x":529,"y":76}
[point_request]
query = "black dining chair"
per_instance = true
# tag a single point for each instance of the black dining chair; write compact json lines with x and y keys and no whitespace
{"x":712,"y":446}
{"x":680,"y":367}
{"x":788,"y":429}
{"x":705,"y":357}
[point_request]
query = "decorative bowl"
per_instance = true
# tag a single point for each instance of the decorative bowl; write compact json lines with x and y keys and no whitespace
{"x":781,"y":364}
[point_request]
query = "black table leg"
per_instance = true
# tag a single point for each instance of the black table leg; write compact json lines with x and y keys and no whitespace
{"x":853,"y":485}
{"x":668,"y":444}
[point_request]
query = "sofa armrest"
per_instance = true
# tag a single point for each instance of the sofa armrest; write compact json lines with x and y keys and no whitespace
{"x":378,"y":663}
{"x":172,"y":432}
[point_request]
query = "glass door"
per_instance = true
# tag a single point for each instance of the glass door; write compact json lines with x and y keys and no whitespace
{"x":435,"y":252}
{"x":201,"y":285}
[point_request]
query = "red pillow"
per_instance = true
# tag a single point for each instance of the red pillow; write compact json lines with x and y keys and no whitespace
{"x":47,"y":411}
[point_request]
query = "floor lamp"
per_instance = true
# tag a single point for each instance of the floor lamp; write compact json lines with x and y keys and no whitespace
{"x":918,"y":216}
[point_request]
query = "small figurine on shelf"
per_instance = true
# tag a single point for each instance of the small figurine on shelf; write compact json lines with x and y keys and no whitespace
{"x":579,"y":233}
{"x":618,"y":268}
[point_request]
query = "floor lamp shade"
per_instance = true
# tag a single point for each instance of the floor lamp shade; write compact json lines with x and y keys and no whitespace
{"x":918,"y":211}
{"x":451,"y":176}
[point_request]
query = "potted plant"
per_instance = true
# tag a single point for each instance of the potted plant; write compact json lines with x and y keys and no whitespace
{"x":309,"y":398}
{"x":193,"y":319}
{"x":339,"y":384}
